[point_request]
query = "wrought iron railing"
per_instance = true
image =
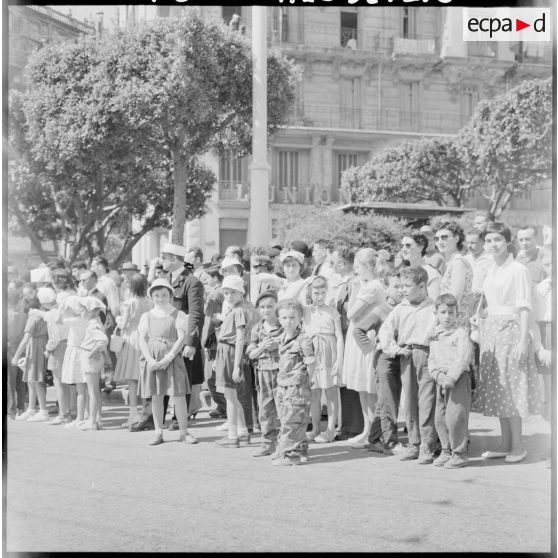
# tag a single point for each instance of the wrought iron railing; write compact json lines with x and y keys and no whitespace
{"x":334,"y":116}
{"x":415,"y":45}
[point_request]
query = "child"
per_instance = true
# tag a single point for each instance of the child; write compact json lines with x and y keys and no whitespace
{"x":34,"y":362}
{"x":296,"y":365}
{"x":161,"y":334}
{"x":71,"y":365}
{"x":229,"y":359}
{"x":263,"y":348}
{"x":405,"y":333}
{"x":92,"y":356}
{"x":55,"y":351}
{"x":294,"y":286}
{"x":448,"y":363}
{"x":323,"y":325}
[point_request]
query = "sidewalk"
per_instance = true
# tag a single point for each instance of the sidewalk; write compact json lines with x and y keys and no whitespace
{"x":109,"y":491}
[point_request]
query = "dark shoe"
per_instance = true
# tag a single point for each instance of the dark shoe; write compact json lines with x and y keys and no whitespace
{"x":244,"y":441}
{"x":409,"y":453}
{"x":376,"y":447}
{"x":146,"y":423}
{"x":192,"y":416}
{"x":217,"y":414}
{"x":340,"y":435}
{"x":108,"y":388}
{"x":173,"y":425}
{"x":227,"y":442}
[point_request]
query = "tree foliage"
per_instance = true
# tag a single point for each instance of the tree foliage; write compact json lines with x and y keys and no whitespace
{"x":504,"y":150}
{"x":113,"y":128}
{"x":507,"y":145}
{"x":311,"y":223}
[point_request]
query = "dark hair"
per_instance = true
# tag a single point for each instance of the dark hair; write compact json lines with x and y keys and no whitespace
{"x":29,"y":286}
{"x":79,"y":265}
{"x":289,"y":304}
{"x":322,"y":242}
{"x":138,"y":285}
{"x":473,"y":232}
{"x":448,"y":299}
{"x":236,"y":250}
{"x":498,"y":228}
{"x":34,"y":303}
{"x":197,"y":252}
{"x":455,"y":228}
{"x":320,"y":282}
{"x":417,"y":274}
{"x":62,"y":280}
{"x":58,"y":263}
{"x":420,"y":240}
{"x":215,"y":273}
{"x":345,"y":252}
{"x":216,"y":258}
{"x":526,"y":228}
{"x":101,"y":261}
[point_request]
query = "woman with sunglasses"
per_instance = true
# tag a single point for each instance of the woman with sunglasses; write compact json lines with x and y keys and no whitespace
{"x":458,"y":276}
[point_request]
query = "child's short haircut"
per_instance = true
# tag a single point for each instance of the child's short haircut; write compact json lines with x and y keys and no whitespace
{"x":417,"y":274}
{"x":319,"y":282}
{"x":289,"y":304}
{"x":448,"y":299}
{"x":215,"y":273}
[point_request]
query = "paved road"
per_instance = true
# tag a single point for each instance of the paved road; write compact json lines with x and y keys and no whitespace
{"x":110,"y":491}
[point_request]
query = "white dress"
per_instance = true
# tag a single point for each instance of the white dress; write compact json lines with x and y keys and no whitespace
{"x":358,"y":370}
{"x":71,"y":366}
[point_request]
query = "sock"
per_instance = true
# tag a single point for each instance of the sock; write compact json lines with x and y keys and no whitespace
{"x":233,"y":432}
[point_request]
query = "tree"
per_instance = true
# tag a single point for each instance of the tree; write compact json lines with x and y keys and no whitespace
{"x":507,"y":145}
{"x":427,"y":169}
{"x":188,"y":83}
{"x":310,"y":223}
{"x":113,"y":129}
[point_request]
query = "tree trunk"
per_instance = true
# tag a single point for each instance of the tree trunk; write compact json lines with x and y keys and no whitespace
{"x":179,"y":203}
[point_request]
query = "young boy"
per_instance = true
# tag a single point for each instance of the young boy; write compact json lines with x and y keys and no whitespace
{"x":296,"y":366}
{"x":263,"y":348}
{"x":405,"y":334}
{"x":448,"y":363}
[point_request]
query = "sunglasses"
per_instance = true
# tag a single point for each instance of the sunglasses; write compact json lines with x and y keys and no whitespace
{"x":441,"y":237}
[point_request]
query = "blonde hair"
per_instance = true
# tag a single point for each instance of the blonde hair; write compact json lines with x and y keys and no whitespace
{"x":367,"y":256}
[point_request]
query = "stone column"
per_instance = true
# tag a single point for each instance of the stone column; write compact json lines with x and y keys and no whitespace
{"x":259,"y":224}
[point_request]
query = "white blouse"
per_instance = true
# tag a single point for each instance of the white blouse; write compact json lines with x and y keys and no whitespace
{"x":508,"y":285}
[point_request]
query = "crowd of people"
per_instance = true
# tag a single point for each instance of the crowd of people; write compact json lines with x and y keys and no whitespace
{"x":455,"y":321}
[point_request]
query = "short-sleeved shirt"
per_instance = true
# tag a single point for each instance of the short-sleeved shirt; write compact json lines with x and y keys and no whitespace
{"x":233,"y":319}
{"x":269,"y":359}
{"x":508,"y":285}
{"x":181,"y":322}
{"x":295,"y":353}
{"x":36,"y":326}
{"x":542,"y":301}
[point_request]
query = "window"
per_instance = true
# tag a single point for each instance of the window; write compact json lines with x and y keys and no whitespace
{"x":349,"y":27}
{"x":410,"y":105}
{"x":230,"y":167}
{"x":350,"y":103}
{"x":469,"y":98}
{"x":229,"y":11}
{"x":408,"y":23}
{"x":345,"y":161}
{"x":287,"y":169}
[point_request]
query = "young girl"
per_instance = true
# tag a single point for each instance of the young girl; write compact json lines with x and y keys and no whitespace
{"x":358,"y":371}
{"x":34,"y":362}
{"x":323,"y":325}
{"x":294,"y":286}
{"x":92,"y":356}
{"x":229,"y":359}
{"x":128,"y":359}
{"x":54,"y":352}
{"x":161,"y":334}
{"x":71,"y":366}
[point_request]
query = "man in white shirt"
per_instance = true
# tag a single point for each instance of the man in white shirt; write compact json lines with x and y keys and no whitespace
{"x":106,"y":285}
{"x":479,"y":259}
{"x":530,"y":255}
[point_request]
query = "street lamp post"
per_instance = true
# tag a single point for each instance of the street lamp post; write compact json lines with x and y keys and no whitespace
{"x":259,"y":224}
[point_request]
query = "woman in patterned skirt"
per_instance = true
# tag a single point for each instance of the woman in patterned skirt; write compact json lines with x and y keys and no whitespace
{"x":508,"y":383}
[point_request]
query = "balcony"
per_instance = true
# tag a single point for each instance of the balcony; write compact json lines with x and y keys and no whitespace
{"x":481,"y":49}
{"x":62,"y":18}
{"x":534,"y":53}
{"x":333,"y":116}
{"x":330,"y":37}
{"x":414,"y":46}
{"x":237,"y":194}
{"x":233,"y":191}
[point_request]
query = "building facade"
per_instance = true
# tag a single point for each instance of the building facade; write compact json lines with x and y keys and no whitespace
{"x":31,"y":27}
{"x":372,"y":77}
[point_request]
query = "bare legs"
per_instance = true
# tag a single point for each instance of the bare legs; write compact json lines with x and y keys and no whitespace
{"x":368,"y":403}
{"x":235,"y":414}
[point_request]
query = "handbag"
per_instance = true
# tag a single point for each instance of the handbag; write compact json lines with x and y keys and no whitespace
{"x":474,"y":321}
{"x":116,"y":342}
